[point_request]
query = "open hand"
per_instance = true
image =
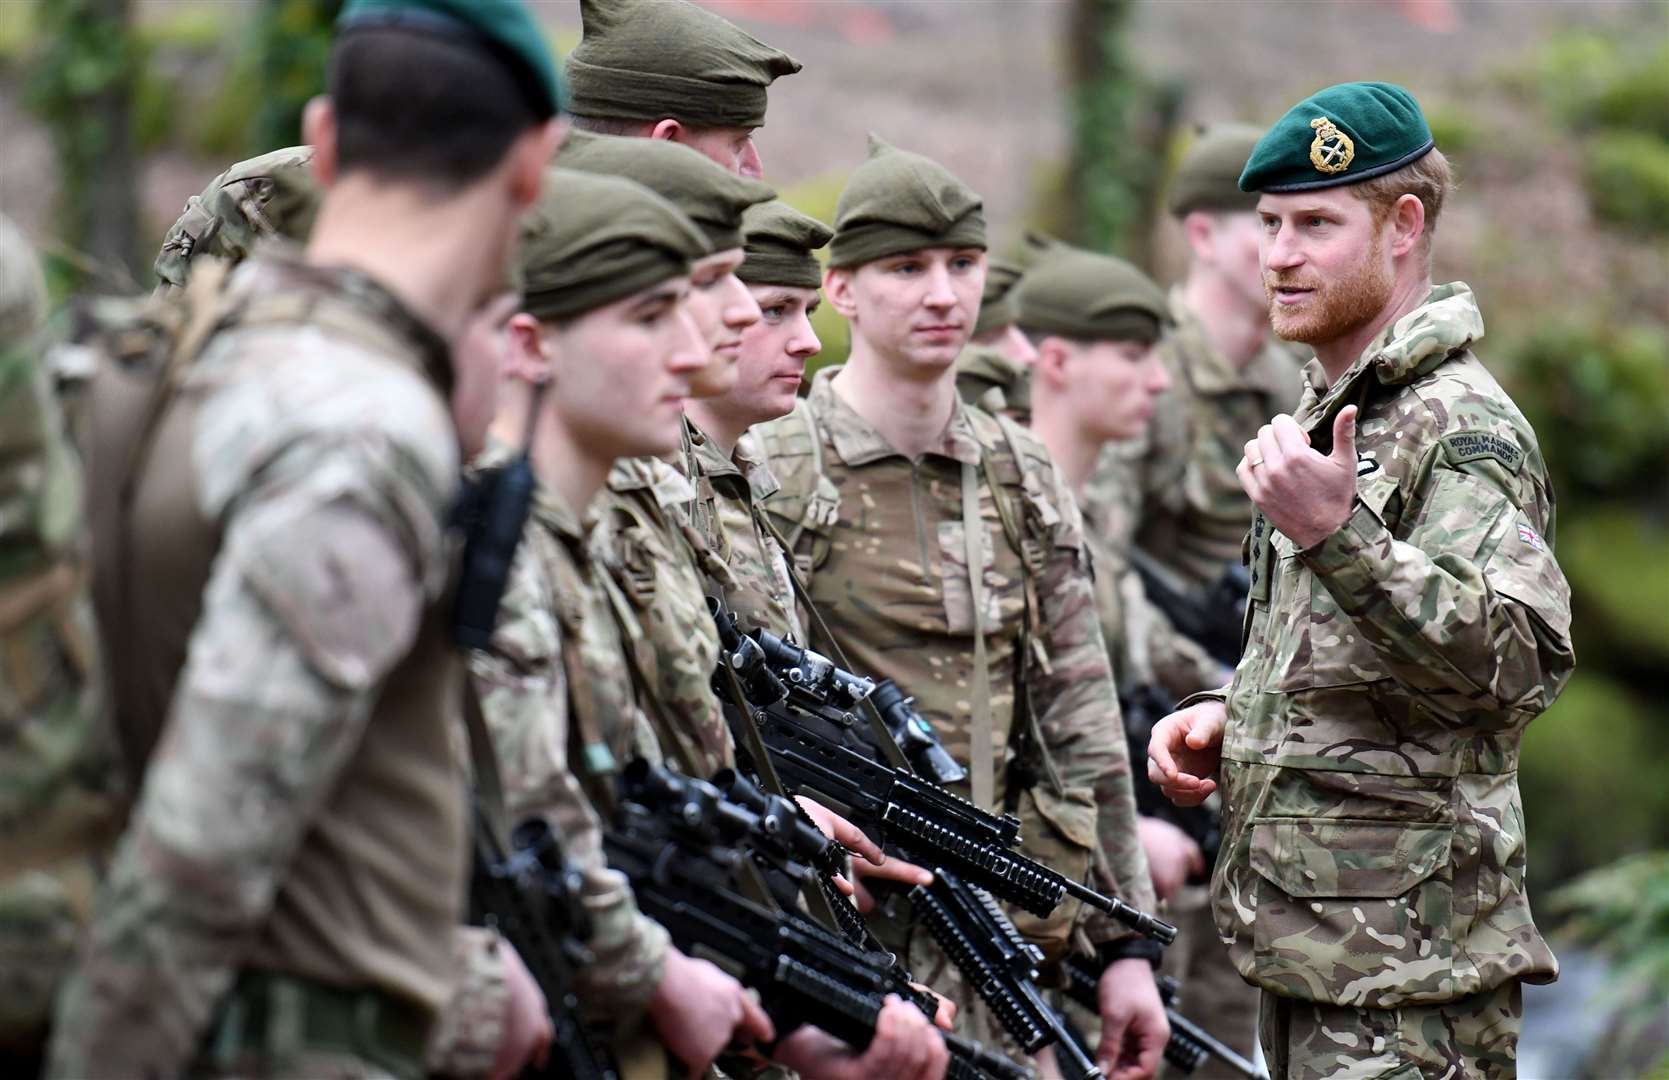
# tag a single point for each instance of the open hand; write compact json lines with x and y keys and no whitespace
{"x":1185,"y":751}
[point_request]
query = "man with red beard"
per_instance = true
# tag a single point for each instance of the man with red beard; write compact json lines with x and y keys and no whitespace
{"x":1407,"y":620}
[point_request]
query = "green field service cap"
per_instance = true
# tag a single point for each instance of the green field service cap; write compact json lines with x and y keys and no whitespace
{"x":997,"y":306}
{"x":898,"y":202}
{"x":1208,"y":176}
{"x":653,"y":59}
{"x":709,"y":195}
{"x":1341,"y":135}
{"x":779,"y":243}
{"x":593,"y":239}
{"x":1088,"y":296}
{"x":505,"y":27}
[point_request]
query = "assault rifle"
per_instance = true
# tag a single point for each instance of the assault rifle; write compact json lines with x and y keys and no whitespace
{"x":532,"y":897}
{"x":1211,"y":617}
{"x":678,"y":841}
{"x":1190,"y":1046}
{"x":818,"y":748}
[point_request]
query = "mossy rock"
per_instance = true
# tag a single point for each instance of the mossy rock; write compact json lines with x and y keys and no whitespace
{"x":1627,"y":174}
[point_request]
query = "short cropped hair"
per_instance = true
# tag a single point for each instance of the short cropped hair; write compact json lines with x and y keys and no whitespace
{"x":607,"y":125}
{"x":1429,"y":179}
{"x":420,"y":108}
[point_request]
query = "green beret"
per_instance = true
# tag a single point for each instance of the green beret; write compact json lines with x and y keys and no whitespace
{"x":709,"y":195}
{"x":1087,"y":296}
{"x":997,"y":307}
{"x":1341,"y":135}
{"x":778,"y":241}
{"x":896,"y":202}
{"x":653,"y":59}
{"x":506,"y":28}
{"x":993,"y":382}
{"x":271,"y":195}
{"x":1208,"y":176}
{"x":591,"y":240}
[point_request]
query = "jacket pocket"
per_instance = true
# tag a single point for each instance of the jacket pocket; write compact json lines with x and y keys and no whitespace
{"x":1353,"y":911}
{"x":1058,"y":831}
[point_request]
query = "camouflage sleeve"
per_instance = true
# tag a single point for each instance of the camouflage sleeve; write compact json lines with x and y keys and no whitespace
{"x":1078,"y":708}
{"x":524,"y":699}
{"x":284,"y":664}
{"x":466,"y":1038}
{"x":1467,"y":608}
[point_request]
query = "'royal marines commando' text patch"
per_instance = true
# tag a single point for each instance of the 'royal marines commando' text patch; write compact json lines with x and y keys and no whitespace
{"x":1464,"y":446}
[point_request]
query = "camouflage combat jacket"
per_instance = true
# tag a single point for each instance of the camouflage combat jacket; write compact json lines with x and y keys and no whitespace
{"x":881,"y":540}
{"x":662,"y":569}
{"x":1373,"y":850}
{"x":557,"y":696}
{"x":726,"y":516}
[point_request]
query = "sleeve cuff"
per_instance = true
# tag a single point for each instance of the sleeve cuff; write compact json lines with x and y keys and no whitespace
{"x":1221,"y":694}
{"x":1345,"y":561}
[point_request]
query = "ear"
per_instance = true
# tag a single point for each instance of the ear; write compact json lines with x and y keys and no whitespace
{"x":527,"y":357}
{"x":1408,"y":223}
{"x":318,"y":130}
{"x":1054,"y":357}
{"x":530,"y":156}
{"x":837,"y":290}
{"x":668,"y":129}
{"x":1198,"y":228}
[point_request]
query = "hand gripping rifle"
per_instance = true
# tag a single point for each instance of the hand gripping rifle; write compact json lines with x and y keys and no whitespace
{"x":818,"y":748}
{"x":1190,"y":1046}
{"x":677,"y":840}
{"x":532,"y":897}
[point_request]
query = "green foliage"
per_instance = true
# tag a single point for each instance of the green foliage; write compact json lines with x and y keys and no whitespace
{"x":1594,"y":81}
{"x":1617,"y":562}
{"x":1455,"y":129}
{"x":1628,"y":179}
{"x":1595,"y":391}
{"x":294,"y":39}
{"x":1622,"y":910}
{"x":16,"y":37}
{"x":1595,"y":779}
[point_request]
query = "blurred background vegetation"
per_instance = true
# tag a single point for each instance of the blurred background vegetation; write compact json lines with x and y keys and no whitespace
{"x":1067,"y":116}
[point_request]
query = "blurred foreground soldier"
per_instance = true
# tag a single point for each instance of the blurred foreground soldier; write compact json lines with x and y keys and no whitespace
{"x":890,"y":489}
{"x":1408,"y":619}
{"x":270,"y":536}
{"x":274,"y":195}
{"x":1099,"y":379}
{"x":60,"y":793}
{"x":994,"y":371}
{"x":667,"y":69}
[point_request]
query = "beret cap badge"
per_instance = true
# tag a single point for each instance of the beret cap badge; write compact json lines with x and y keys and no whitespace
{"x":1332,"y":151}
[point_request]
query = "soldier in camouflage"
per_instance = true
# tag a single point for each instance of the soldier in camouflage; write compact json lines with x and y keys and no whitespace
{"x":1407,"y":620}
{"x":892,"y":490}
{"x":60,"y":784}
{"x":287,"y":895}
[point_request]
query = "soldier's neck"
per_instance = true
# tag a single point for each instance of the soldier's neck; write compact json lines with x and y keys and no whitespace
{"x":1073,"y":450}
{"x":910,"y":414}
{"x":1337,"y":356}
{"x":1234,"y":325}
{"x":437,"y":256}
{"x":567,"y":466}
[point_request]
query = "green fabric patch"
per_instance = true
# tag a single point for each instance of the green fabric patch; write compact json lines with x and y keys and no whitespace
{"x":1464,"y":446}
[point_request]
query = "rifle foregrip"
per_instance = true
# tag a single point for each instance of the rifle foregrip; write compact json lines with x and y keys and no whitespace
{"x":986,"y":980}
{"x":971,"y":1060}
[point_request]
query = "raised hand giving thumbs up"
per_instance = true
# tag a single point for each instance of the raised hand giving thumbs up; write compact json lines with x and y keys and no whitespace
{"x":1305,"y":494}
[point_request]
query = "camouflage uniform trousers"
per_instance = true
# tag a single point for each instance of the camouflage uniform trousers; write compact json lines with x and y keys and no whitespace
{"x":1213,"y":994}
{"x":1472,"y":1038}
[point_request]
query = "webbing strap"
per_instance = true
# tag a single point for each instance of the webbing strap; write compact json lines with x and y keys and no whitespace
{"x":669,"y":734}
{"x":973,"y":530}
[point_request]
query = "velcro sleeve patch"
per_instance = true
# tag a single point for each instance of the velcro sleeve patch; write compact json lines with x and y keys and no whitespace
{"x":1464,"y":446}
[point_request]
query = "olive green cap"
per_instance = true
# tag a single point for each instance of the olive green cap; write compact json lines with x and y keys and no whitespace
{"x":1088,"y":296}
{"x":506,"y":28}
{"x":653,"y":59}
{"x":997,"y":306}
{"x":897,"y":202}
{"x":779,"y":242}
{"x":712,"y":197}
{"x":1208,"y":176}
{"x":1341,"y":135}
{"x":993,"y":382}
{"x":273,"y":195}
{"x":591,"y":240}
